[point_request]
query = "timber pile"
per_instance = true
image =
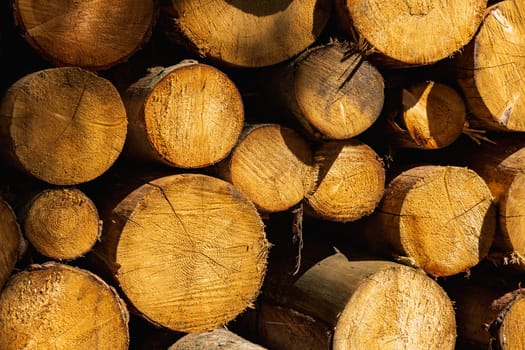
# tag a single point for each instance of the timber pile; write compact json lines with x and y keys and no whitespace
{"x":293,"y":174}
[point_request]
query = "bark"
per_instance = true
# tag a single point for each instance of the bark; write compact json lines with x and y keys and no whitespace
{"x":246,"y":34}
{"x":189,"y":115}
{"x":189,"y":251}
{"x":64,"y":126}
{"x":91,"y":35}
{"x":61,"y":307}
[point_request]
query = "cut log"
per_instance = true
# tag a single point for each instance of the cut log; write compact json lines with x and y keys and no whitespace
{"x":371,"y":305}
{"x":13,"y":244}
{"x":64,"y":126}
{"x":188,"y":115}
{"x":188,"y":251}
{"x":350,"y":183}
{"x":333,"y":93}
{"x":246,"y":34}
{"x":91,"y":35}
{"x":406,"y":30}
{"x":441,"y":218}
{"x":489,"y":70}
{"x":272,"y":165}
{"x":61,"y":223}
{"x":433,"y":116}
{"x":55,"y":306}
{"x":502,"y":166}
{"x":218,"y":338}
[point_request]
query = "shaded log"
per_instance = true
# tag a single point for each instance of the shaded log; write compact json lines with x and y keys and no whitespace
{"x":64,"y":126}
{"x":90,"y":35}
{"x":350,"y":183}
{"x":188,"y":251}
{"x":189,"y":115}
{"x":13,"y":244}
{"x":246,"y":34}
{"x":61,"y":307}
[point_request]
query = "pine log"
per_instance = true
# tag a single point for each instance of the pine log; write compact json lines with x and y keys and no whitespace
{"x":219,"y":338}
{"x":188,"y":115}
{"x":489,"y":71}
{"x":91,"y":35}
{"x":188,"y":251}
{"x":502,"y":166}
{"x":432,"y":116}
{"x":13,"y":244}
{"x":441,"y":218}
{"x":489,"y":311}
{"x":412,"y":32}
{"x":246,"y":33}
{"x":272,"y":165}
{"x":61,"y":223}
{"x":350,"y":183}
{"x":55,"y":306}
{"x":370,"y":304}
{"x":64,"y":126}
{"x":332,"y":92}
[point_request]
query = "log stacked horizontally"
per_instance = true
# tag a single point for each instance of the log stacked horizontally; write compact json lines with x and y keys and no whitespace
{"x":293,"y":174}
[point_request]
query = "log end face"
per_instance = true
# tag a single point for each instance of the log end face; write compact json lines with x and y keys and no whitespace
{"x":13,"y":243}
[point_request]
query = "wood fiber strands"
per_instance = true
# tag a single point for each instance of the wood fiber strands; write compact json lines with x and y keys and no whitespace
{"x":56,"y":306}
{"x":189,"y":251}
{"x":64,"y":126}
{"x":502,"y":166}
{"x":440,"y":217}
{"x":61,"y":223}
{"x":272,"y":165}
{"x":89,"y":34}
{"x":246,"y":33}
{"x":333,"y":93}
{"x":369,"y":305}
{"x":189,"y":115}
{"x":219,"y":338}
{"x":432,"y":116}
{"x":491,"y":68}
{"x":350,"y":183}
{"x":412,"y":32}
{"x":13,"y":244}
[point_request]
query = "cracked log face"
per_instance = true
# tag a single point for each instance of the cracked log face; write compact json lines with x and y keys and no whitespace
{"x":89,"y":34}
{"x":64,"y":126}
{"x":441,"y":217}
{"x":405,"y":30}
{"x":491,"y":69}
{"x":55,"y":306}
{"x":189,"y":251}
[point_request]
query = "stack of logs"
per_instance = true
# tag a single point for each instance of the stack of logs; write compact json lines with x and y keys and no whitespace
{"x":292,"y":174}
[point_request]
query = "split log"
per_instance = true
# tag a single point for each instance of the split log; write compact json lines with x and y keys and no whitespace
{"x":432,"y":116}
{"x":441,"y":218}
{"x":61,"y":307}
{"x":64,"y":126}
{"x":332,"y":91}
{"x":188,"y":115}
{"x":404,"y":31}
{"x":350,"y":183}
{"x":246,"y":34}
{"x":367,"y":305}
{"x":489,"y":70}
{"x":61,"y":223}
{"x":218,"y":338}
{"x":272,"y":165}
{"x":90,"y":35}
{"x":188,"y":251}
{"x":13,"y":244}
